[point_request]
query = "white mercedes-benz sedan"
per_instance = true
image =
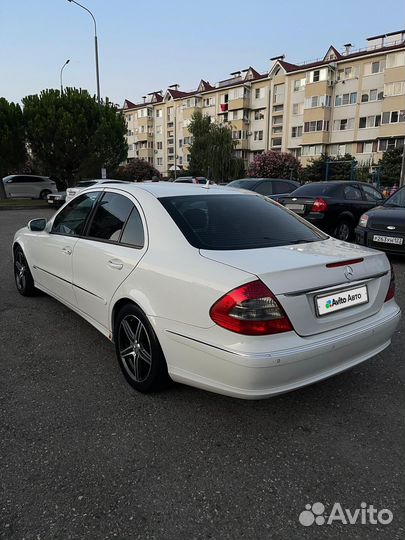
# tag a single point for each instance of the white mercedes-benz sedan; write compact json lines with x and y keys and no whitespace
{"x":210,"y":286}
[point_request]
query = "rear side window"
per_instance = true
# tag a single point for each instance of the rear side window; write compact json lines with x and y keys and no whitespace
{"x":231,"y":222}
{"x":264,"y":188}
{"x":110,"y":217}
{"x":243,"y":184}
{"x":352,"y":193}
{"x":316,"y":189}
{"x":283,"y":187}
{"x":133,"y":234}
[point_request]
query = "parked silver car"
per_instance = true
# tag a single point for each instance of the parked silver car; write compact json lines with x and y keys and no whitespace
{"x":28,"y":186}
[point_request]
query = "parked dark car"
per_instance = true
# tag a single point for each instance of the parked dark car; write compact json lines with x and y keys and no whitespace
{"x":334,"y":207}
{"x":383,"y":227}
{"x":271,"y":187}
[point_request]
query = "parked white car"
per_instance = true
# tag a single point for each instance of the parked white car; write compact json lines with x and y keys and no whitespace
{"x":80,"y":186}
{"x":210,"y":286}
{"x":28,"y":186}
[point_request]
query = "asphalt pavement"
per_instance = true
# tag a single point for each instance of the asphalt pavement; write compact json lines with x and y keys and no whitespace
{"x":82,"y":455}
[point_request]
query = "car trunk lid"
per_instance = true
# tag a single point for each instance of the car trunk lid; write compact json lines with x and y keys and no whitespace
{"x":300,"y":275}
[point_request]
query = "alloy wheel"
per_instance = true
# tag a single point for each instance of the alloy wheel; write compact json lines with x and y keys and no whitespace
{"x":20,"y":271}
{"x":135,"y":348}
{"x":343,"y":232}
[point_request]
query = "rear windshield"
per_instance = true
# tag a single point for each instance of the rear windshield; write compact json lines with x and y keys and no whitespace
{"x":231,"y":222}
{"x":315,"y":189}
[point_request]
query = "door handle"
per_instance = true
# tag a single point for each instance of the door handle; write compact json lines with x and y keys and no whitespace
{"x":116,"y":264}
{"x":67,"y":251}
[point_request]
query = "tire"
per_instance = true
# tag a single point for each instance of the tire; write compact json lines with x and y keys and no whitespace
{"x":138,"y":351}
{"x":44,"y":194}
{"x":344,"y":230}
{"x":22,"y":274}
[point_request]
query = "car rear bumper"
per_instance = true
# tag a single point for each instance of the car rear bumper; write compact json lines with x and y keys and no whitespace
{"x":289,"y":362}
{"x":365,"y":236}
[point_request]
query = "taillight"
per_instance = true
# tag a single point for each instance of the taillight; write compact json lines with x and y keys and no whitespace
{"x":251,"y":309}
{"x":319,"y":205}
{"x":391,"y":288}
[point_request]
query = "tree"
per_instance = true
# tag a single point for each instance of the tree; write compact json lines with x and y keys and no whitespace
{"x":71,"y":135}
{"x":200,"y":128}
{"x":13,"y":152}
{"x":213,"y":149}
{"x":136,"y":171}
{"x":390,"y":165}
{"x":339,"y":168}
{"x":274,"y":165}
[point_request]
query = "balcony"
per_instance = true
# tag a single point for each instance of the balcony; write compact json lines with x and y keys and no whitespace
{"x":239,"y":103}
{"x":146,"y":136}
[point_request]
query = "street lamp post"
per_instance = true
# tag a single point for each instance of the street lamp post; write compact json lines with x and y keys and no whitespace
{"x":61,"y":75}
{"x":95,"y":45}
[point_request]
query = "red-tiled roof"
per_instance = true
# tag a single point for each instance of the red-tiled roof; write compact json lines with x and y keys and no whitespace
{"x":294,"y":67}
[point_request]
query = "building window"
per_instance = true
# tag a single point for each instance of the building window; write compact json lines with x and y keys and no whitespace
{"x":393,"y":117}
{"x":298,"y":108}
{"x":159,"y":145}
{"x":318,"y":101}
{"x":259,"y":93}
{"x":369,"y":121}
{"x":343,"y":124}
{"x":389,"y":144}
{"x":276,"y":141}
{"x":258,"y":135}
{"x":317,"y":75}
{"x":372,"y":68}
{"x":159,"y":113}
{"x":239,"y":93}
{"x":278,"y":108}
{"x":313,"y":150}
{"x":366,"y":147}
{"x":209,"y":102}
{"x":372,"y":95}
{"x":346,"y":99}
{"x":394,"y":89}
{"x":339,"y":149}
{"x":346,"y":73}
{"x":277,"y":129}
{"x":296,"y":131}
{"x":278,"y":93}
{"x":159,"y":161}
{"x":299,"y":84}
{"x":277,"y":120}
{"x":259,"y":115}
{"x":396,"y":59}
{"x":316,"y":125}
{"x":296,"y":152}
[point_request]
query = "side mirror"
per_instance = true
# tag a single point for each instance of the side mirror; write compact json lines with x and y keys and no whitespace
{"x":37,"y":224}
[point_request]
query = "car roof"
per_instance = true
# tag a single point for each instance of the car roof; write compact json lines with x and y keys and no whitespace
{"x":167,"y":189}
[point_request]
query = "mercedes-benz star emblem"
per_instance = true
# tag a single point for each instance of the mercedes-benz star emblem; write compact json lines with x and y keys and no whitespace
{"x":348,"y":272}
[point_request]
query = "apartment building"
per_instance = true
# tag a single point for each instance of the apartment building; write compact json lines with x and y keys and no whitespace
{"x":352,"y":101}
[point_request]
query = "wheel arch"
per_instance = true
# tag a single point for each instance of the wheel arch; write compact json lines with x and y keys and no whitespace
{"x":346,"y":215}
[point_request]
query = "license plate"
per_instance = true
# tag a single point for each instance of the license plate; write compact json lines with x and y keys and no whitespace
{"x":388,"y":239}
{"x":330,"y":303}
{"x":299,"y":208}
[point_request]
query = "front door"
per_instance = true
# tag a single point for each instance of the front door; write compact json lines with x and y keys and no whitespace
{"x":52,"y":252}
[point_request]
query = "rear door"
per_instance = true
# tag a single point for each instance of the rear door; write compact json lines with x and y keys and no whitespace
{"x":114,"y":243}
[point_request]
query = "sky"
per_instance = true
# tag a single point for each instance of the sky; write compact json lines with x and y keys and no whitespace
{"x":148,"y":45}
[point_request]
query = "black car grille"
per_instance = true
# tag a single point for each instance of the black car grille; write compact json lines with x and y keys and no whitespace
{"x":375,"y":226}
